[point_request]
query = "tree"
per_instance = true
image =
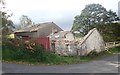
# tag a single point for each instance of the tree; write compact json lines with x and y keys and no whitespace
{"x":25,"y":21}
{"x":6,"y":24}
{"x":92,"y":16}
{"x":112,"y":16}
{"x":110,"y":32}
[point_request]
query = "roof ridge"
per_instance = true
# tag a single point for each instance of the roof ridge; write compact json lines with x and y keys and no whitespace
{"x":45,"y":23}
{"x":37,"y":26}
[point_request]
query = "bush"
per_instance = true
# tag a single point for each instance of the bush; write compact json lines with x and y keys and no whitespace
{"x":28,"y":51}
{"x":31,"y":52}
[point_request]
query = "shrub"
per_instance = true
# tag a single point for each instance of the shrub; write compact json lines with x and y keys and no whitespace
{"x":28,"y":51}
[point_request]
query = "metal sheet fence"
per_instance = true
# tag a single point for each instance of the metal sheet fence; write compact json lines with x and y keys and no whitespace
{"x":41,"y":40}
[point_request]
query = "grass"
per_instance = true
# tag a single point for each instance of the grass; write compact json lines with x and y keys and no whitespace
{"x":115,"y":50}
{"x":51,"y":58}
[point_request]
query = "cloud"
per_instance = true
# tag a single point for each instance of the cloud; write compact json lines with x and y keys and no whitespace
{"x":60,"y":11}
{"x":63,"y":19}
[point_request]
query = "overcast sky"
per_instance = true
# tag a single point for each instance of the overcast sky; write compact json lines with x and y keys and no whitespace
{"x":61,"y":12}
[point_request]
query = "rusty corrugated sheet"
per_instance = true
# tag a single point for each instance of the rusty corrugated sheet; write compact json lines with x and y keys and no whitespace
{"x":41,"y":40}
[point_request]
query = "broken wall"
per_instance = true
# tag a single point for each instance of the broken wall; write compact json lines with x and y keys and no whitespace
{"x":92,"y":41}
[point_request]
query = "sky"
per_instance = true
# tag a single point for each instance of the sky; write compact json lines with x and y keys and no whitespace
{"x":61,"y":12}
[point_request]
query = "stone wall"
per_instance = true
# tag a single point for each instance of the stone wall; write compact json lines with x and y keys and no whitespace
{"x":92,"y":41}
{"x":66,"y":44}
{"x":65,"y":48}
{"x":63,"y":43}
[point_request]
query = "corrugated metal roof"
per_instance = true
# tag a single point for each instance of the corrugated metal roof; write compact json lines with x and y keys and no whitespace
{"x":36,"y":27}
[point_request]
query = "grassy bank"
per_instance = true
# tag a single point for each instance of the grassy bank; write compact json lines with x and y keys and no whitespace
{"x":31,"y":53}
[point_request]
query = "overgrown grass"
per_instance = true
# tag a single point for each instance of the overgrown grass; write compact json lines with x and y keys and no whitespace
{"x":38,"y":55}
{"x":47,"y":58}
{"x":115,"y":50}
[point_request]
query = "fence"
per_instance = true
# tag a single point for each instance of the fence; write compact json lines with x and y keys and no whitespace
{"x":112,"y":44}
